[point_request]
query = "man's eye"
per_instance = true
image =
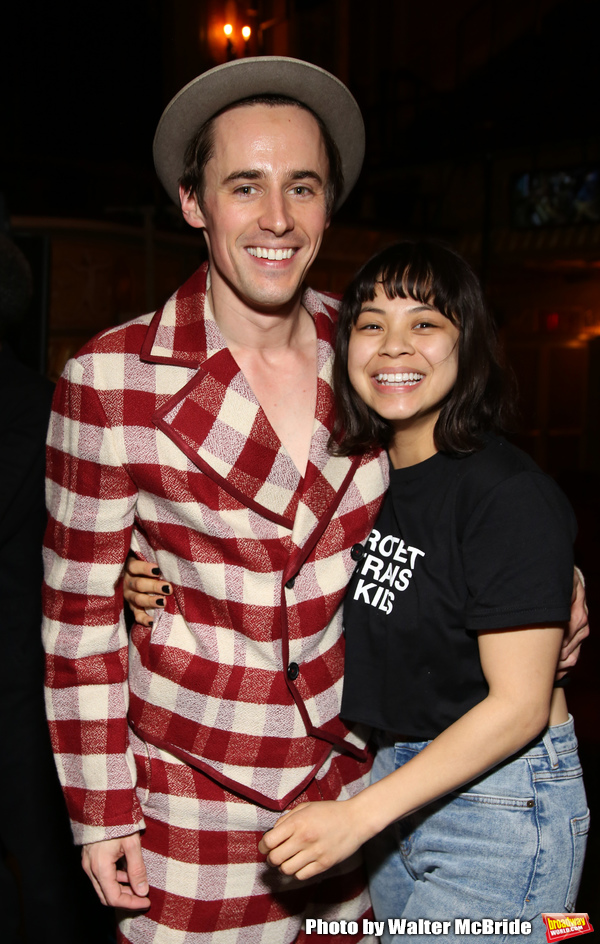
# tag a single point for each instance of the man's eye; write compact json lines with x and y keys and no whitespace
{"x":300,"y":189}
{"x":246,"y":190}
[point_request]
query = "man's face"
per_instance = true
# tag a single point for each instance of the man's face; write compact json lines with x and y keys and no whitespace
{"x":264,"y":207}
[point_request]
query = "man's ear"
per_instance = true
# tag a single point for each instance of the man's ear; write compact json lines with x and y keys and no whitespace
{"x":192,"y":213}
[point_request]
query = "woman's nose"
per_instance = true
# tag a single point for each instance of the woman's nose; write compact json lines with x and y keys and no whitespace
{"x":396,"y":342}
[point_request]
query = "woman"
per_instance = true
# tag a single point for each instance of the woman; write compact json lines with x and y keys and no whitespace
{"x":454,"y":622}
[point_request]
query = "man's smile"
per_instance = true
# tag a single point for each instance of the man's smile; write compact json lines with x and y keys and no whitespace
{"x":261,"y":252}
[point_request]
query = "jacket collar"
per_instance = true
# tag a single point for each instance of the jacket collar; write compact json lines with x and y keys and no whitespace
{"x":179,"y":334}
{"x":184,"y":333}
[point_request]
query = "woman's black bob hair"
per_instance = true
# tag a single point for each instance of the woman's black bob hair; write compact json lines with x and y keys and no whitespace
{"x":482,"y":399}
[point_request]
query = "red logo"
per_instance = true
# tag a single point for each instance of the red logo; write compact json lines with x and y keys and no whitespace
{"x":560,"y":926}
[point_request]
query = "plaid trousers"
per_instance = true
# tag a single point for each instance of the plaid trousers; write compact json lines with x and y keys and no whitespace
{"x":208,"y":882}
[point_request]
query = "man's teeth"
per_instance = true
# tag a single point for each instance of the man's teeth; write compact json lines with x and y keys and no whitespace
{"x":277,"y":254}
{"x":408,"y":377}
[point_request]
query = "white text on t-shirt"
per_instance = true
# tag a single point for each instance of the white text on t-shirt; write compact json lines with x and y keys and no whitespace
{"x":381,"y":570}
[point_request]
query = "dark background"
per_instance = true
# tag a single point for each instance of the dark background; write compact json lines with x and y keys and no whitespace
{"x":83,"y":87}
{"x":459,"y":96}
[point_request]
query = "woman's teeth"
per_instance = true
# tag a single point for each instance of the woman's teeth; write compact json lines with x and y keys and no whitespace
{"x":408,"y":377}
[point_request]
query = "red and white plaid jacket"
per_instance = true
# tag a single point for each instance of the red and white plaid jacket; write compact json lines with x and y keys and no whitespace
{"x":157,"y":442}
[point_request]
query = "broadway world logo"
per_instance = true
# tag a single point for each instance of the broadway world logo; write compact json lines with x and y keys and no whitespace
{"x":560,"y":926}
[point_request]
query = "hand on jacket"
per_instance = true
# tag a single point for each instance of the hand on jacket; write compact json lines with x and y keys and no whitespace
{"x":313,"y":837}
{"x":144,"y":589}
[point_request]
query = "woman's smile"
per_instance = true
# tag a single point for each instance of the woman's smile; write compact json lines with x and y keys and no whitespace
{"x":406,"y":379}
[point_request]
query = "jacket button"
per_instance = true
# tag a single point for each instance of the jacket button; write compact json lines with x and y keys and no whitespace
{"x":357,"y":552}
{"x":293,"y":671}
{"x":290,"y":583}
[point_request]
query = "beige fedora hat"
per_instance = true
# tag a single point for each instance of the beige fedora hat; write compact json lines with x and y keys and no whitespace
{"x":207,"y":94}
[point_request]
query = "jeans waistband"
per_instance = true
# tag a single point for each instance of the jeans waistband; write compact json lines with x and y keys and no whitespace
{"x":558,"y":739}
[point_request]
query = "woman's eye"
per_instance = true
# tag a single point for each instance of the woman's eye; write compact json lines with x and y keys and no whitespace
{"x":368,"y":326}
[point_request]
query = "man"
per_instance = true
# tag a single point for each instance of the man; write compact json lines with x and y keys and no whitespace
{"x":198,"y":435}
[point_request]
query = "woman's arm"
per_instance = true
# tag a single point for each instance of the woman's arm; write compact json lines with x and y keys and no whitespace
{"x":143,"y":589}
{"x":519,"y":666}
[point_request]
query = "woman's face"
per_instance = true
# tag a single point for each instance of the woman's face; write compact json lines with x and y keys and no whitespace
{"x":403,"y":360}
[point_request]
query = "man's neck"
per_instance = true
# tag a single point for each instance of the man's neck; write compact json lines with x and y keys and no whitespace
{"x":277,"y":353}
{"x":251,"y":328}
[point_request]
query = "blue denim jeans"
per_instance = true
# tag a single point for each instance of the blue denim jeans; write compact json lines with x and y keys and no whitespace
{"x":509,"y":845}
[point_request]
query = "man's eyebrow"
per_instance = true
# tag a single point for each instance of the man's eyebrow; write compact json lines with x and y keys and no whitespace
{"x":259,"y":175}
{"x":244,"y":175}
{"x":306,"y":175}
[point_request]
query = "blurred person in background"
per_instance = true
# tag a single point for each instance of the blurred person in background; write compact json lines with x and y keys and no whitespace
{"x":42,"y":894}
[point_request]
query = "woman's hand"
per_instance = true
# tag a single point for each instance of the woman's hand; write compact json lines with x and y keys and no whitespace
{"x":578,"y":628}
{"x":313,"y":837}
{"x":144,"y":589}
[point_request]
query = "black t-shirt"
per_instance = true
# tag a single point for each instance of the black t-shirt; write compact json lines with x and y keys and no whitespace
{"x":461,"y":545}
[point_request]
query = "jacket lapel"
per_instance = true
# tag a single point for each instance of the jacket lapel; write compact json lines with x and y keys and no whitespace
{"x":218,"y":423}
{"x":216,"y":420}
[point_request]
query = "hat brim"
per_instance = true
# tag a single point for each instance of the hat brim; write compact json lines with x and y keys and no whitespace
{"x":224,"y":85}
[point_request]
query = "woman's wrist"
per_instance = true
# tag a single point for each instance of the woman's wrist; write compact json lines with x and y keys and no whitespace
{"x":368,"y":813}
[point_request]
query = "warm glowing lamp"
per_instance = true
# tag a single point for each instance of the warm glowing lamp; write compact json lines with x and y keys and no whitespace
{"x":246,"y":32}
{"x":228,"y":29}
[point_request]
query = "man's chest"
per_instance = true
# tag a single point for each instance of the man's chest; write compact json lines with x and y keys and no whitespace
{"x":285,"y":386}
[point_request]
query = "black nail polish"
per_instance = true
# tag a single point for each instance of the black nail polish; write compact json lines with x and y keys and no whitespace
{"x":156,"y":571}
{"x":160,"y":602}
{"x":150,"y":624}
{"x":166,"y":588}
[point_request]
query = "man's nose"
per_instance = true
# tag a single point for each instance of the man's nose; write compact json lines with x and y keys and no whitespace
{"x":276,"y":215}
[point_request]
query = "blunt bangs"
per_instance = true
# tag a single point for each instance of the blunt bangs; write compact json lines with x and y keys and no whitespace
{"x":411,"y":270}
